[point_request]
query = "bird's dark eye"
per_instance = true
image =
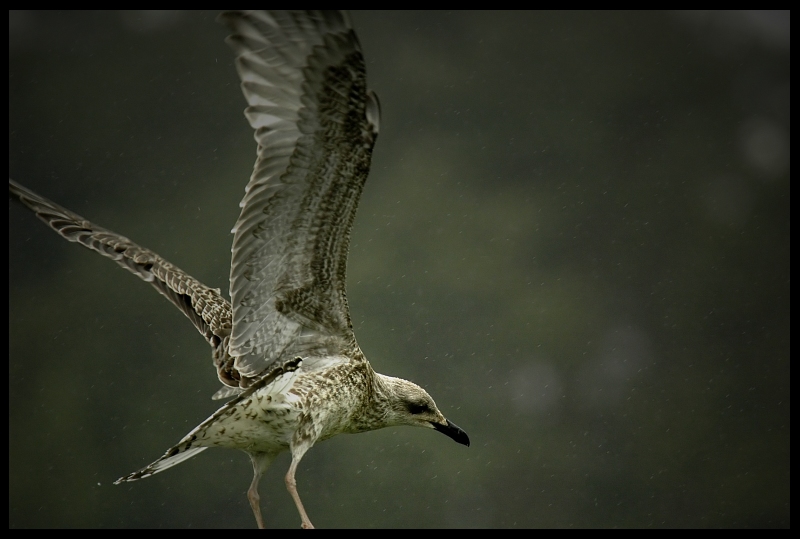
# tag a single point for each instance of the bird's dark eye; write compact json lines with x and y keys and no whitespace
{"x":415,"y":408}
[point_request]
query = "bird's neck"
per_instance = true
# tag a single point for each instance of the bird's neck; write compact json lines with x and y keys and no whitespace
{"x":374,"y":409}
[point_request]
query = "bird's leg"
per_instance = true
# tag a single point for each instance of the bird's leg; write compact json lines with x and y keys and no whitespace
{"x":261,"y":462}
{"x":253,"y":497}
{"x":291,"y":485}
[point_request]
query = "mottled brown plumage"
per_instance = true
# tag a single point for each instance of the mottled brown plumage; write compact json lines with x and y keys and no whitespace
{"x":284,"y":346}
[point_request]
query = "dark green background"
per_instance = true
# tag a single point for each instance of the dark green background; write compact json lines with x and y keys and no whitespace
{"x":575,"y":235}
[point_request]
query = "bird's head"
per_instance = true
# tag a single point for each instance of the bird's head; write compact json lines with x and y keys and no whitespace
{"x":409,"y":404}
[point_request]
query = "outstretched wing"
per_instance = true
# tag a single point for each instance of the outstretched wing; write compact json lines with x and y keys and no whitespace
{"x":205,"y":307}
{"x":315,"y":122}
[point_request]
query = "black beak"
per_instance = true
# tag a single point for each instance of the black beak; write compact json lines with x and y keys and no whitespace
{"x":453,"y":431}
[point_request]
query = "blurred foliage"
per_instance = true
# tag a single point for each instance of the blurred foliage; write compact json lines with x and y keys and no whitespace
{"x":575,"y":235}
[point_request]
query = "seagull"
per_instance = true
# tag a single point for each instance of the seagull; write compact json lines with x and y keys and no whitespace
{"x":283,"y":346}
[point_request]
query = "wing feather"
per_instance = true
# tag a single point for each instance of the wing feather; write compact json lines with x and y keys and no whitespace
{"x":315,"y":123}
{"x":205,"y":307}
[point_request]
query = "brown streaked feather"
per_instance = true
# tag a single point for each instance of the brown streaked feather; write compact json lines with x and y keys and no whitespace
{"x":205,"y":307}
{"x":315,"y":123}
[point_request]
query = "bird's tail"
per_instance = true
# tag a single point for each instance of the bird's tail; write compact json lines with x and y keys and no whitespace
{"x":277,"y":380}
{"x":174,"y":456}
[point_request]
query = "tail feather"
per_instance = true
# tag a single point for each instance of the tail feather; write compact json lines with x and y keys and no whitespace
{"x":278,"y":380}
{"x":174,"y":456}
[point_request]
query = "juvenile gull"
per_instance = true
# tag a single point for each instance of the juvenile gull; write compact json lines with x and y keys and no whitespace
{"x":284,"y":347}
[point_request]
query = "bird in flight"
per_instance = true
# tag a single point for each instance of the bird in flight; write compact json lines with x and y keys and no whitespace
{"x":283,"y":346}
